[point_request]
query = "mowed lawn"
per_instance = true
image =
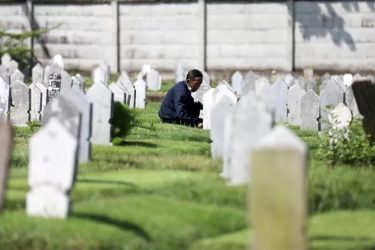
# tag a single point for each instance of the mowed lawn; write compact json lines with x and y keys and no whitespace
{"x":161,"y":190}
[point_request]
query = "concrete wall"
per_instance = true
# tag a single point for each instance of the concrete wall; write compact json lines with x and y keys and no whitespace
{"x":218,"y":36}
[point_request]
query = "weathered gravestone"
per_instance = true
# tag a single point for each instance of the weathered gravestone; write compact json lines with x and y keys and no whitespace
{"x":145,"y":69}
{"x":102,"y":99}
{"x":75,"y":83}
{"x":20,"y":108}
{"x":252,"y":119}
{"x":35,"y":103}
{"x":364,"y":92}
{"x":83,"y":105}
{"x":351,"y":102}
{"x":263,"y":88}
{"x":37,"y":73}
{"x":6,"y":59}
{"x":309,"y":84}
{"x":153,"y":80}
{"x":278,"y":192}
{"x":54,"y":87}
{"x":279,"y":99}
{"x":119,"y":95}
{"x":249,"y":83}
{"x":17,"y":76}
{"x":52,"y":167}
{"x":237,"y":79}
{"x":180,"y":73}
{"x":126,"y":84}
{"x":107,"y":69}
{"x":141,"y":90}
{"x":227,"y":147}
{"x":6,"y":139}
{"x":100,"y":76}
{"x":66,"y":82}
{"x":208,"y":102}
{"x":218,"y":113}
{"x":310,"y":103}
{"x":13,"y":66}
{"x":4,"y":99}
{"x":332,"y":94}
{"x":44,"y":92}
{"x":294,"y":105}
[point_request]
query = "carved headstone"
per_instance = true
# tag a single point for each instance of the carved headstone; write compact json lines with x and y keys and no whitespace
{"x":12,"y":67}
{"x":208,"y":102}
{"x":141,"y":90}
{"x":152,"y":80}
{"x":59,"y":61}
{"x":47,"y":73}
{"x":17,"y":76}
{"x":126,"y":84}
{"x":279,"y":98}
{"x":249,"y":83}
{"x":66,"y":82}
{"x":54,"y":87}
{"x":310,"y":103}
{"x":294,"y":105}
{"x":332,"y":94}
{"x":52,"y":167}
{"x":224,"y":89}
{"x":102,"y":99}
{"x":44,"y":92}
{"x":309,"y":84}
{"x":278,"y":192}
{"x":20,"y":96}
{"x":253,"y":119}
{"x":99,"y":76}
{"x":107,"y":69}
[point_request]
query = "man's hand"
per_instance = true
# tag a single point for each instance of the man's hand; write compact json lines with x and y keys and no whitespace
{"x":200,"y":125}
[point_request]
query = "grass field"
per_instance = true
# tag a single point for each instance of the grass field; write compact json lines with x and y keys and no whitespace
{"x":162,"y":190}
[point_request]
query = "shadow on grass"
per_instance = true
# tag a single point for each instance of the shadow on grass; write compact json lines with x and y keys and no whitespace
{"x":138,"y":144}
{"x":123,"y":225}
{"x":107,"y":182}
{"x":340,"y":238}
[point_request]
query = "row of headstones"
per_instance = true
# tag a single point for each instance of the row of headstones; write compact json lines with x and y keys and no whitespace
{"x":293,"y":105}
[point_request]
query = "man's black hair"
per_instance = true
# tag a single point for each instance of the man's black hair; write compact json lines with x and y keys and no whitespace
{"x":194,"y":73}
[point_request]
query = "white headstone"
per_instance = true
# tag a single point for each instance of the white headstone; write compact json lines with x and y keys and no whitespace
{"x":237,"y":79}
{"x":119,"y":95}
{"x":208,"y":102}
{"x":332,"y":94}
{"x":58,"y":60}
{"x":180,"y":73}
{"x":36,"y":103}
{"x":348,"y":79}
{"x":294,"y":106}
{"x":44,"y":92}
{"x":310,"y":103}
{"x":279,"y":99}
{"x":100,"y":76}
{"x":141,"y":90}
{"x":20,"y":96}
{"x":17,"y":76}
{"x":126,"y":84}
{"x":37,"y":73}
{"x":152,"y":80}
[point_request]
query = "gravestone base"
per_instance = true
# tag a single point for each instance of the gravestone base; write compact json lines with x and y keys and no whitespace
{"x":48,"y":202}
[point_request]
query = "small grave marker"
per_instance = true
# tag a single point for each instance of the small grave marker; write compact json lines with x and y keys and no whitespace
{"x":17,"y":76}
{"x":37,"y":73}
{"x":180,"y":73}
{"x":36,"y":103}
{"x":54,"y":87}
{"x":119,"y":95}
{"x":44,"y":92}
{"x":20,"y":96}
{"x":310,"y":103}
{"x":66,"y":82}
{"x":249,"y":83}
{"x":237,"y":79}
{"x":126,"y":84}
{"x":100,"y":76}
{"x":141,"y":90}
{"x":294,"y":97}
{"x":208,"y":102}
{"x":152,"y":80}
{"x":279,"y":98}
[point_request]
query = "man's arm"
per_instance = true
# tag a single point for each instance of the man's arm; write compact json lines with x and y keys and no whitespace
{"x":180,"y":100}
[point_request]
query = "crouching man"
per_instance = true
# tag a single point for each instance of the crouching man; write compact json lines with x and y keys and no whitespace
{"x":178,"y":106}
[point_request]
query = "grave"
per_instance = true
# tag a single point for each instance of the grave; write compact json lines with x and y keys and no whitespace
{"x":294,"y":105}
{"x":82,"y":104}
{"x":37,"y":74}
{"x":279,"y":99}
{"x":249,"y":83}
{"x":141,"y":90}
{"x":198,"y":95}
{"x":20,"y":108}
{"x":153,"y":80}
{"x":52,"y":167}
{"x":247,"y":130}
{"x":227,"y":147}
{"x":99,"y":76}
{"x":128,"y":87}
{"x":35,"y":103}
{"x":66,"y":82}
{"x":208,"y":102}
{"x":237,"y":79}
{"x":17,"y":76}
{"x":309,"y":84}
{"x":310,"y":104}
{"x":54,"y":85}
{"x":332,"y":94}
{"x":44,"y":92}
{"x":288,"y":80}
{"x":102,"y":100}
{"x":278,"y":191}
{"x":119,"y":95}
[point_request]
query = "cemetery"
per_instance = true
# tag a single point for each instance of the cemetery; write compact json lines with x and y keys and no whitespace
{"x":285,"y":158}
{"x":69,"y":183}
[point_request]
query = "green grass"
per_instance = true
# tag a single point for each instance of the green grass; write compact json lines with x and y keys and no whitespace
{"x":161,"y":190}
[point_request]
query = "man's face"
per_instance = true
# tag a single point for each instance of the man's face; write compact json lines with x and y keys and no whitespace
{"x":194,"y":83}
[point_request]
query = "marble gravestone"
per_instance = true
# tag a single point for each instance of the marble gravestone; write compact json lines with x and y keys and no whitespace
{"x":126,"y":84}
{"x":17,"y":76}
{"x":84,"y":106}
{"x":294,"y":97}
{"x":52,"y":167}
{"x":237,"y":79}
{"x":249,"y":83}
{"x":20,"y":108}
{"x":44,"y":92}
{"x":35,"y":103}
{"x":279,"y":99}
{"x":119,"y":95}
{"x":37,"y":74}
{"x":102,"y":99}
{"x":153,"y":80}
{"x":310,"y":104}
{"x":247,"y":130}
{"x":208,"y":102}
{"x":100,"y":76}
{"x":141,"y":90}
{"x":332,"y":94}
